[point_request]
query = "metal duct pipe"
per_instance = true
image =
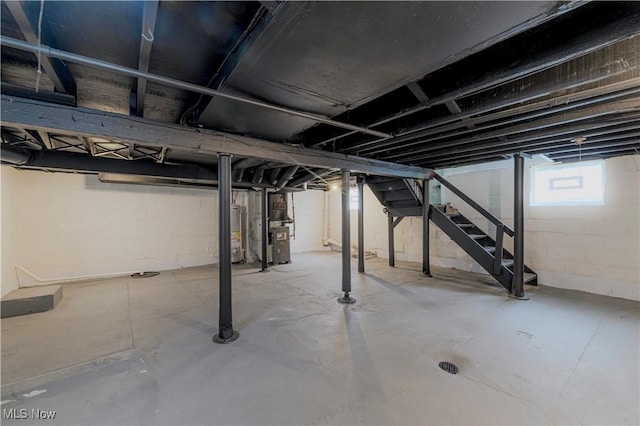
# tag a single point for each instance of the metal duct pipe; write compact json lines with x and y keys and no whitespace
{"x":286,"y":176}
{"x":84,"y":60}
{"x":258,"y":174}
{"x":273,"y":176}
{"x":14,"y":155}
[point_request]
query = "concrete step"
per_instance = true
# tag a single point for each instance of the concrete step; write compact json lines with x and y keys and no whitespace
{"x":30,"y":300}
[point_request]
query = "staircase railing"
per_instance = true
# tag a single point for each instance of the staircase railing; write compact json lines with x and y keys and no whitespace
{"x":501,"y":227}
{"x":416,"y":188}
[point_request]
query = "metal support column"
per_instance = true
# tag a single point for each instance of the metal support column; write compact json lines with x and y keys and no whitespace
{"x":517,"y":288}
{"x":392,"y":254}
{"x":426,"y":267}
{"x":346,"y":240}
{"x":225,"y":321}
{"x":361,"y":224}
{"x":265,"y":229}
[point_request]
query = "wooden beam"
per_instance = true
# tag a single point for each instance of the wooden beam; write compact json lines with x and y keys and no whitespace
{"x":148,"y":29}
{"x":55,"y":69}
{"x":45,"y":139}
{"x":418,"y":92}
{"x":36,"y":115}
{"x":311,"y":175}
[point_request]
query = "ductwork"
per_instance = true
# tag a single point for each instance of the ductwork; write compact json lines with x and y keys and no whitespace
{"x":14,"y":155}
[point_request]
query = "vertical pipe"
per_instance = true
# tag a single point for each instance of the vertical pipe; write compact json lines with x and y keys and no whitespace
{"x":225,"y":322}
{"x":392,"y":254}
{"x":265,"y":229}
{"x":325,"y":224}
{"x":361,"y":224}
{"x":346,"y":240}
{"x":517,"y":288}
{"x":426,"y":267}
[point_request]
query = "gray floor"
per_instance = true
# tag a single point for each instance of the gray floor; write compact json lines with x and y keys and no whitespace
{"x":125,"y":351}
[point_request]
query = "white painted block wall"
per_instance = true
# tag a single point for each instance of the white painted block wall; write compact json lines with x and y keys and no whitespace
{"x":590,"y":248}
{"x":309,"y":210}
{"x":60,"y":226}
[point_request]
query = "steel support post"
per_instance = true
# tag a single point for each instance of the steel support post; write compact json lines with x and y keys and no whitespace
{"x":517,"y":288}
{"x":426,"y":267}
{"x":361,"y":224}
{"x":225,"y":321}
{"x":346,"y":240}
{"x":392,"y":254}
{"x":265,"y":229}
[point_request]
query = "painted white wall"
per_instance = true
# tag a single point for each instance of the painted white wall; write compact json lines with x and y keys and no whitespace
{"x":309,"y":207}
{"x":590,"y":248}
{"x":59,"y":225}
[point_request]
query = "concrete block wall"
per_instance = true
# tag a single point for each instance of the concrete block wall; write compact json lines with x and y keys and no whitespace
{"x":60,"y":226}
{"x":309,"y":210}
{"x":589,"y":248}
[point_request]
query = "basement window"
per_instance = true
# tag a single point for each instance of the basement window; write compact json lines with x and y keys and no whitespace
{"x":568,"y":184}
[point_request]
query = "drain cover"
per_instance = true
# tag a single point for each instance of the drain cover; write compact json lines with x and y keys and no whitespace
{"x":448,"y":367}
{"x":144,"y":274}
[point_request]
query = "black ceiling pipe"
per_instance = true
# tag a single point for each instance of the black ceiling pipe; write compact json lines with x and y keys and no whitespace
{"x":14,"y":155}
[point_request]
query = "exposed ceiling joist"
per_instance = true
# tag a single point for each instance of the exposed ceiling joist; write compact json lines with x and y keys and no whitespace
{"x":533,"y":129}
{"x":35,"y":115}
{"x":148,"y":29}
{"x":311,"y":175}
{"x":547,"y":139}
{"x":80,"y":163}
{"x":41,"y":95}
{"x":504,"y":104}
{"x":418,"y":92}
{"x":605,"y":53}
{"x":84,"y":60}
{"x":54,"y":68}
{"x":286,"y":176}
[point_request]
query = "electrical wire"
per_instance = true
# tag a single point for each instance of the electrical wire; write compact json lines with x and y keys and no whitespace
{"x":39,"y":71}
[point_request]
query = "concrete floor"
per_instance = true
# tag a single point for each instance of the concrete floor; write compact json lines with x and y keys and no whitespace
{"x":127,"y":351}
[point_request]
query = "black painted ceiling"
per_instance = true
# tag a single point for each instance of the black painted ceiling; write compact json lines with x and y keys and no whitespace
{"x":453,"y":82}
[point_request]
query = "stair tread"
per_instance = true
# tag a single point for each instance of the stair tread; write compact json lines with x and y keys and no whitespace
{"x":529,"y":277}
{"x":477,"y":236}
{"x":465,"y":225}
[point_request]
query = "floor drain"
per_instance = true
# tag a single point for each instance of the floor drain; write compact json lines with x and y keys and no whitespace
{"x":144,"y":274}
{"x":448,"y":367}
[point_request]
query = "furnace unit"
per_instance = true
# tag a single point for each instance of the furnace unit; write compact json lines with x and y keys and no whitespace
{"x":279,"y":234}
